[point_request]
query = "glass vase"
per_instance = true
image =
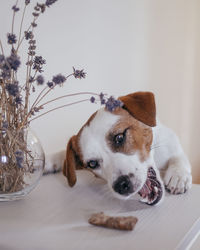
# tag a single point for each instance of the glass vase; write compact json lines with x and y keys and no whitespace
{"x":21,"y":163}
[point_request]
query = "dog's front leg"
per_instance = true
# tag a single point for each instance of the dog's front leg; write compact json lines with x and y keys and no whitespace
{"x":54,"y":162}
{"x":178,"y":178}
{"x":170,"y":157}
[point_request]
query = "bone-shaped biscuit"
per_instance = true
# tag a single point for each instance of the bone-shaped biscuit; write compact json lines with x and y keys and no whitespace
{"x":121,"y":223}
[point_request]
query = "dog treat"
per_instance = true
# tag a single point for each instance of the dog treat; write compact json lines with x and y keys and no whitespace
{"x":121,"y":223}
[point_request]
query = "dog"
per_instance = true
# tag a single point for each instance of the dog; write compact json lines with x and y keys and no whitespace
{"x":131,"y":150}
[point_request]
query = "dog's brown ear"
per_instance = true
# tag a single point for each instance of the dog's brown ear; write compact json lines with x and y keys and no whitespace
{"x":72,"y":161}
{"x":141,"y":105}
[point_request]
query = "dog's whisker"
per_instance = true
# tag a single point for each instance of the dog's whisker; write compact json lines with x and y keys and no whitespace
{"x":158,"y":146}
{"x":106,"y":192}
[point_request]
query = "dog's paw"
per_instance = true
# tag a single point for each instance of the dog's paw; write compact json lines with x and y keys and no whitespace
{"x":178,"y":178}
{"x":54,"y":162}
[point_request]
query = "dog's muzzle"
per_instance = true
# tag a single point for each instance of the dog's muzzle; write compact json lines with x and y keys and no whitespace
{"x":151,"y":191}
{"x":123,"y":185}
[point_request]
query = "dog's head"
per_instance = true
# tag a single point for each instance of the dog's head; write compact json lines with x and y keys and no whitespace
{"x":116,"y":146}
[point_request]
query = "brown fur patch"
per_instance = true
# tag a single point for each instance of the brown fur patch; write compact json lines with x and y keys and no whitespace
{"x":138,"y":136}
{"x":72,"y":161}
{"x":141,"y":105}
{"x":74,"y":157}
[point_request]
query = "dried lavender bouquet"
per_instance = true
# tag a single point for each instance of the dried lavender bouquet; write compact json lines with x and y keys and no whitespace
{"x":16,"y":109}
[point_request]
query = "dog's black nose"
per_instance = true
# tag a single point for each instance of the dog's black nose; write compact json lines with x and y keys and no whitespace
{"x":123,"y":185}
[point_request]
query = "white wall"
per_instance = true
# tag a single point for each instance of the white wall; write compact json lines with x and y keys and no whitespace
{"x":124,"y":46}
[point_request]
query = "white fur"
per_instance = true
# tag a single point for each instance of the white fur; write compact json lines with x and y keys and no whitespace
{"x":92,"y":140}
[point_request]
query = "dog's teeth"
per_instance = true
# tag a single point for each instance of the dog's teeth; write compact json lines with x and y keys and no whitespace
{"x":145,"y":200}
{"x":156,"y":189}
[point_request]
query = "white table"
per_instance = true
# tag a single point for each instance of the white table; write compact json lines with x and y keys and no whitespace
{"x":54,"y":216}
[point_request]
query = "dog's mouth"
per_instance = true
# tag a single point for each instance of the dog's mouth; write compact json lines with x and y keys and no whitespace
{"x":152,"y":191}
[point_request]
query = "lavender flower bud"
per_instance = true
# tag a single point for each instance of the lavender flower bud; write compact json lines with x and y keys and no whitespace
{"x":11,"y":38}
{"x":39,"y":60}
{"x":59,"y":79}
{"x":35,"y":14}
{"x":15,"y":8}
{"x":34,"y":24}
{"x":6,"y":72}
{"x":103,"y":101}
{"x":18,"y":100}
{"x":101,"y":96}
{"x":19,"y":158}
{"x":36,"y":8}
{"x":27,"y":2}
{"x":1,"y":59}
{"x":50,"y":84}
{"x":50,"y":2}
{"x":13,"y":61}
{"x":36,"y":109}
{"x":4,"y":124}
{"x":92,"y":99}
{"x":28,"y":35}
{"x":13,"y":89}
{"x":79,"y":73}
{"x":112,"y":104}
{"x":32,"y":47}
{"x":31,"y":53}
{"x":32,"y":41}
{"x":41,"y":7}
{"x":40,"y":80}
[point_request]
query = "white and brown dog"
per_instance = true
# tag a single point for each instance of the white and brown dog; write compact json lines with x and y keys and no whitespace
{"x":128,"y":149}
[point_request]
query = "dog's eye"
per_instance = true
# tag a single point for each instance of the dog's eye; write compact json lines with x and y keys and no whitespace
{"x":93,"y":164}
{"x":119,"y":139}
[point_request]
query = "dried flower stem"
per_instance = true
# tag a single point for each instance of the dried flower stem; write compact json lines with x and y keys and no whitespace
{"x":13,"y":19}
{"x":21,"y":24}
{"x":39,"y":98}
{"x":66,"y":105}
{"x":1,"y":48}
{"x":16,"y":159}
{"x":36,"y":100}
{"x":69,"y":95}
{"x":20,"y":42}
{"x":61,"y":97}
{"x":28,"y":84}
{"x":4,"y":55}
{"x":26,"y":88}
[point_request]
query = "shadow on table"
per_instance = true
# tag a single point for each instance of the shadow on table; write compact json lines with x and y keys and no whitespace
{"x":96,"y":191}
